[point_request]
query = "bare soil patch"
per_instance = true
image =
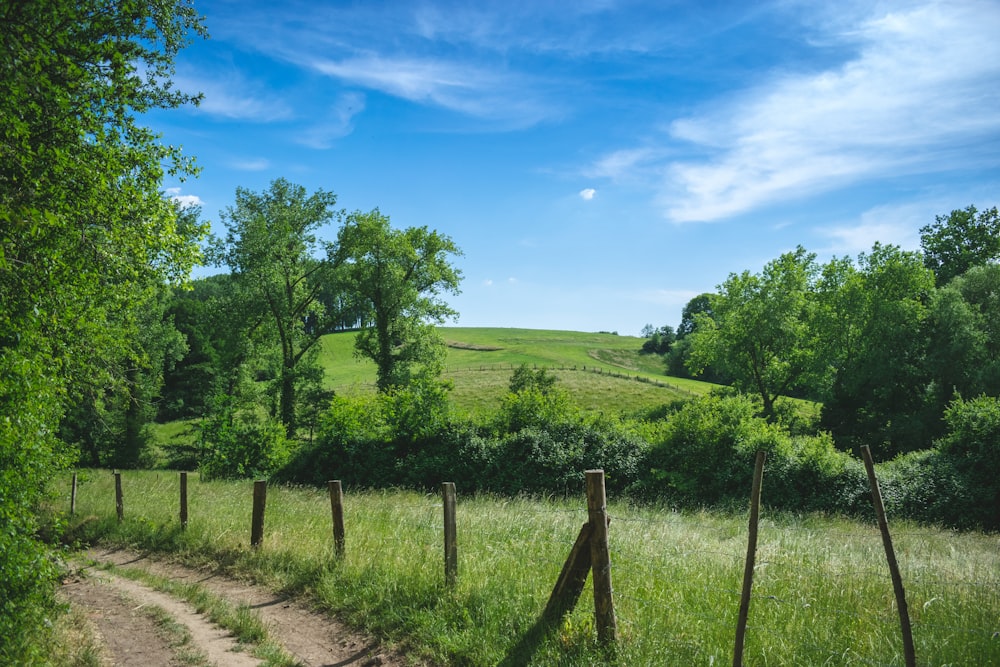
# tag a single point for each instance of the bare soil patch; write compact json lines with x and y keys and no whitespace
{"x":131,"y":638}
{"x":470,"y":346}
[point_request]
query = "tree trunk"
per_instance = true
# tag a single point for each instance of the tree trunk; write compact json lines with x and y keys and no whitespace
{"x":132,"y":446}
{"x":287,"y":401}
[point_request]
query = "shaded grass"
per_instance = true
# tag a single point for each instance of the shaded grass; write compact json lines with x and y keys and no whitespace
{"x":73,"y":642}
{"x":822,"y":592}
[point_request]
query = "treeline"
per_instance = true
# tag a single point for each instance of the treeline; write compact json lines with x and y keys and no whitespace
{"x":239,"y":350}
{"x":885,"y":342}
{"x":88,"y":247}
{"x":689,"y":454}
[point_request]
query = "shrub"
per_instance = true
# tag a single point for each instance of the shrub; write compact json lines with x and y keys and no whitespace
{"x":924,"y":486}
{"x":706,"y":455}
{"x":970,"y":451}
{"x":241,"y":443}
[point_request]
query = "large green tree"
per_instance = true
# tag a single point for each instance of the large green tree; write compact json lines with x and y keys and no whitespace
{"x":964,"y":238}
{"x":758,"y":332}
{"x":963,"y":357}
{"x":869,"y":324}
{"x":84,"y":232}
{"x":399,"y":276}
{"x":273,"y":251}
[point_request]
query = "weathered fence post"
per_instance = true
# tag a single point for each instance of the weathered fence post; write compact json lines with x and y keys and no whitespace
{"x":741,"y":622}
{"x":72,"y":497}
{"x":450,"y":534}
{"x":257,"y":521}
{"x":600,"y":558}
{"x":337,"y":511}
{"x":909,"y":654}
{"x":184,"y":501}
{"x":119,"y":504}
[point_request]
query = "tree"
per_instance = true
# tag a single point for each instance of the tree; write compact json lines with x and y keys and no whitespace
{"x":869,"y":323}
{"x":398,"y":276}
{"x":658,"y":341}
{"x":271,"y":249}
{"x":84,"y":229}
{"x":680,"y":349}
{"x":699,"y":304}
{"x":965,"y":238}
{"x":758,"y":332}
{"x":963,"y":356}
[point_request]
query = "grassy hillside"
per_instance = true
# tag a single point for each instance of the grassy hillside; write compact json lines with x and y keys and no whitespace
{"x":602,"y":371}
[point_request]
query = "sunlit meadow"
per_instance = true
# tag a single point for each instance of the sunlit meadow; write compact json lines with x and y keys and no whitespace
{"x":822,"y":593}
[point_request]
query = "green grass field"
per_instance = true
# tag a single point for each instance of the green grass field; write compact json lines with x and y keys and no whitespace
{"x":822,"y":592}
{"x":602,"y":372}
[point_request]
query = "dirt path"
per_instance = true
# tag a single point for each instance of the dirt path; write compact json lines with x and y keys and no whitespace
{"x":130,"y":637}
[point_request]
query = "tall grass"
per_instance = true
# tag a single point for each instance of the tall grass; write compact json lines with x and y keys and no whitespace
{"x":822,"y":591}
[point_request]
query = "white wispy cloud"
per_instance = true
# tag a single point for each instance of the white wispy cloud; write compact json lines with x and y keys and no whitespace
{"x":250,"y":164}
{"x":625,"y":164}
{"x":896,"y":224}
{"x":919,"y":96}
{"x":338,"y":122}
{"x":466,"y":88}
{"x":231,"y":94}
{"x":587,"y":194}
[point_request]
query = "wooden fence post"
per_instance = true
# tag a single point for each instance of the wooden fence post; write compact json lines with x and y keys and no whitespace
{"x":119,"y":504}
{"x":72,"y":497}
{"x":741,"y":622}
{"x":337,"y":511}
{"x":909,"y":654}
{"x":450,"y":534}
{"x":257,"y":522}
{"x":184,"y":501}
{"x":572,"y":578}
{"x":600,"y":557}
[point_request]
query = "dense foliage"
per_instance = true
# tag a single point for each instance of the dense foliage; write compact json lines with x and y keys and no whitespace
{"x":873,"y":340}
{"x":86,"y":242}
{"x":397,"y":277}
{"x":270,"y":248}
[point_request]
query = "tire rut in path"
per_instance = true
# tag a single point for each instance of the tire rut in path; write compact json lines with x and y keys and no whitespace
{"x":314,"y":639}
{"x":118,"y":609}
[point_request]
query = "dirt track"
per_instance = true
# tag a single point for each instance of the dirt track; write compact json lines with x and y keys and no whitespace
{"x":118,"y":611}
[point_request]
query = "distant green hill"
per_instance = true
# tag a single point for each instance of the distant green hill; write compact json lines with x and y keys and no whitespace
{"x":602,"y":371}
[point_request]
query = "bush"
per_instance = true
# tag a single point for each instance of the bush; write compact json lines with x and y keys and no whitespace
{"x":241,"y":443}
{"x":970,"y":462}
{"x":923,"y":486}
{"x":707,"y":451}
{"x":705,"y":457}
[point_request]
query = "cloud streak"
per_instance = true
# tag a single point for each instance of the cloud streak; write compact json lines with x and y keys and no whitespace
{"x":919,"y":95}
{"x":233,"y":96}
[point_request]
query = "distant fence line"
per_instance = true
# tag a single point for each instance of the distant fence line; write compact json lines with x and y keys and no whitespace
{"x":596,"y":370}
{"x":590,"y":555}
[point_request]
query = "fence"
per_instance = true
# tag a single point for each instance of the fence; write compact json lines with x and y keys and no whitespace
{"x":593,"y":553}
{"x":616,"y":373}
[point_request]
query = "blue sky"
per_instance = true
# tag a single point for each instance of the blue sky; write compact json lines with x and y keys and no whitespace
{"x":601,"y":162}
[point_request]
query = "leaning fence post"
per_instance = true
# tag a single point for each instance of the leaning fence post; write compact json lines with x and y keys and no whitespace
{"x":741,"y":622}
{"x":600,"y":558}
{"x":450,"y":534}
{"x":184,"y":500}
{"x":337,"y":512}
{"x":72,"y":497}
{"x":119,"y":504}
{"x":257,"y":521}
{"x":909,"y":654}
